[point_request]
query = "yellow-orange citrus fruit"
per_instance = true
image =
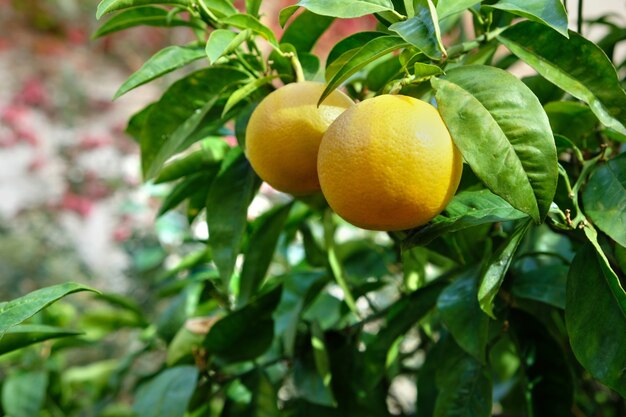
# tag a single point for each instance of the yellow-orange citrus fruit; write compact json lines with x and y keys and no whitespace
{"x":388,"y":163}
{"x":284,"y":134}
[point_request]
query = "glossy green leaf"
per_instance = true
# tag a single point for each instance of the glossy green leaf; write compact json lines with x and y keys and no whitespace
{"x":369,"y":52}
{"x":399,"y":318}
{"x":108,"y":6}
{"x":547,"y":12}
{"x":305,"y":30}
{"x":545,"y":284}
{"x":261,"y":247}
{"x":16,"y":311}
{"x":221,"y":8}
{"x":461,"y":314}
{"x":24,"y":335}
{"x":219,"y":43}
{"x":464,"y":385}
{"x":245,"y":91}
{"x":346,"y":8}
{"x":166,"y":60}
{"x":24,"y":393}
{"x":352,"y":42}
{"x":167,"y":394}
{"x":422,"y":30}
{"x":576,"y":65}
{"x":497,"y":267}
{"x":210,"y":154}
{"x":503,"y":133}
{"x":466,"y":209}
{"x":246,"y":333}
{"x":245,"y":21}
{"x":447,"y":8}
{"x":227,"y":208}
{"x":148,"y":16}
{"x":596,"y":319}
{"x":604,"y":198}
{"x":182,"y":109}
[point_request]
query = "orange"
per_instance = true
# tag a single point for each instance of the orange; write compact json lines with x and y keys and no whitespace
{"x":284,"y":134}
{"x":389,"y":163}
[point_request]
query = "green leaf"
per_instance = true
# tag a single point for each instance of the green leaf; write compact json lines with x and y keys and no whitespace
{"x":546,"y":371}
{"x":137,"y":122}
{"x":246,"y":333}
{"x":220,"y":42}
{"x":260,"y":251}
{"x":571,"y":119}
{"x":245,"y":21}
{"x":183,"y":108}
{"x":16,"y":311}
{"x":595,"y":317}
{"x":166,"y":60}
{"x":446,"y":8}
{"x":185,"y":189}
{"x":463,"y":384}
{"x":221,"y":8}
{"x":24,"y":335}
{"x":108,"y":6}
{"x":148,"y":16}
{"x":167,"y":394}
{"x":371,"y":51}
{"x":545,"y":284}
{"x":245,"y":91}
{"x":305,"y":30}
{"x":503,"y":133}
{"x":423,"y":71}
{"x":422,"y":30}
{"x":321,"y":391}
{"x":299,"y":289}
{"x":461,"y":314}
{"x":383,"y":73}
{"x":227,"y":208}
{"x":210,"y":154}
{"x":24,"y":393}
{"x":352,"y":42}
{"x":547,"y":12}
{"x":604,"y":198}
{"x":346,"y":8}
{"x":253,"y":6}
{"x":466,"y":209}
{"x":497,"y":268}
{"x":576,"y":65}
{"x":399,"y":318}
{"x":286,"y":13}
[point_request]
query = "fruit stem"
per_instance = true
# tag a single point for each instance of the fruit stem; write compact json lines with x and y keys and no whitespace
{"x":297,"y":67}
{"x":456,"y":51}
{"x":333,"y":261}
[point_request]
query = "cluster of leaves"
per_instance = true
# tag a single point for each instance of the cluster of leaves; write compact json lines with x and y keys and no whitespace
{"x":510,"y":301}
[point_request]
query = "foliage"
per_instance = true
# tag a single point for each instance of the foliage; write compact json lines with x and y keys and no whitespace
{"x":510,"y":302}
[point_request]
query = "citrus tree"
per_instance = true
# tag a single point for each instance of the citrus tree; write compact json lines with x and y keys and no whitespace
{"x":486,"y":274}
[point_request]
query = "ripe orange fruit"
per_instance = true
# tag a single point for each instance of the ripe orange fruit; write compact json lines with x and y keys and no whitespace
{"x":284,"y":134}
{"x":388,"y":163}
